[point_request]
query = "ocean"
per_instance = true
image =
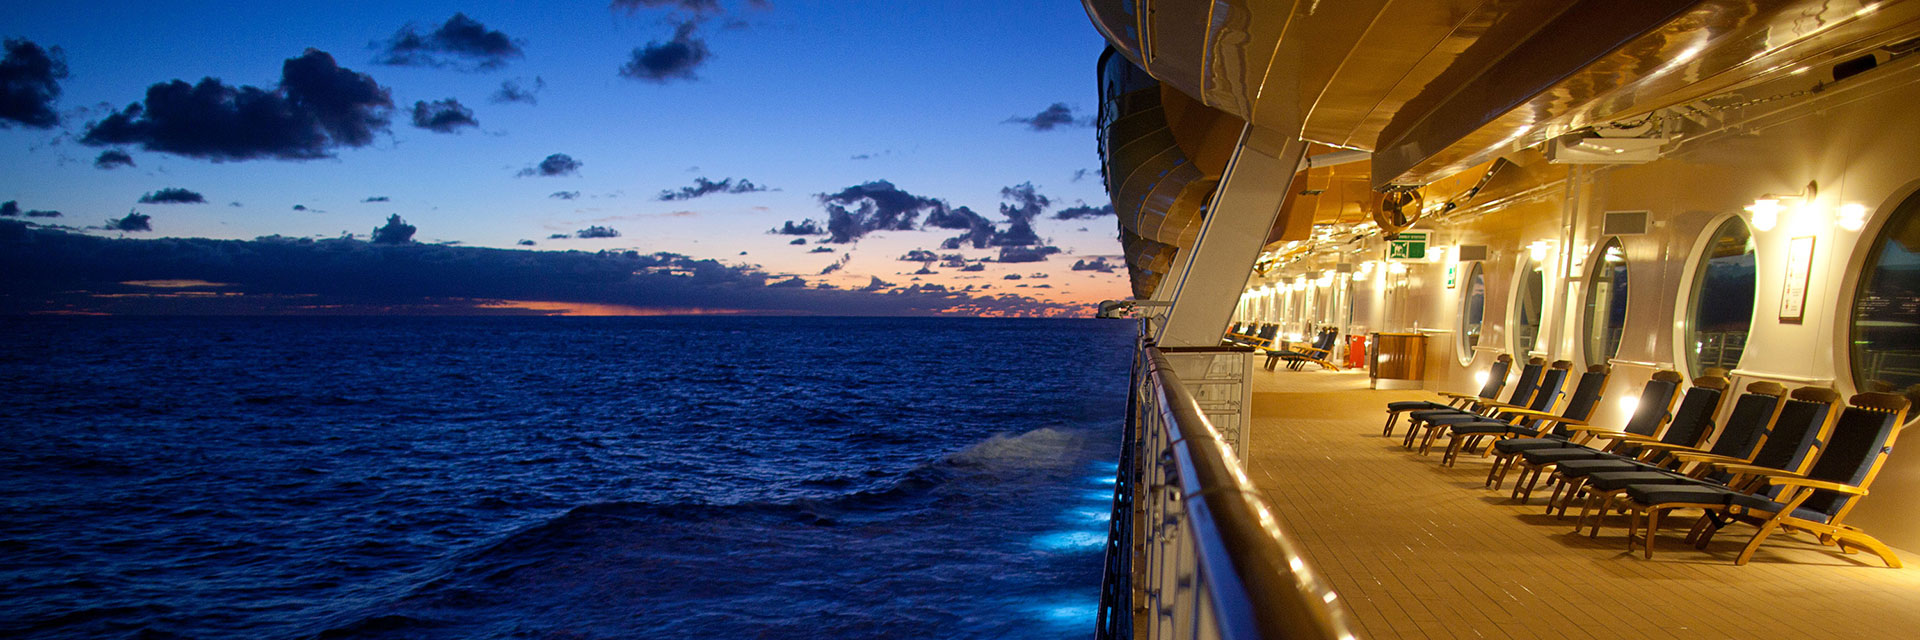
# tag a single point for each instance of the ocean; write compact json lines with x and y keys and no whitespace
{"x":689,"y":477}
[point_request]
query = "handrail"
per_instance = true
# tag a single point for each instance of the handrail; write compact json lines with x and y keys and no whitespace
{"x":1216,"y":563}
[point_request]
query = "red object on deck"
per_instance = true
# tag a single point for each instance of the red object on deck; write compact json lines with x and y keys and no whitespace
{"x":1356,"y":351}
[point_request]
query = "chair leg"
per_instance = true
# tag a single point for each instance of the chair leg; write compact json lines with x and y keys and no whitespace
{"x":1573,"y":491}
{"x":1766,"y":529}
{"x":1392,"y":417}
{"x":1432,"y":433}
{"x":1850,"y":538}
{"x":1653,"y":527}
{"x":1496,"y":473}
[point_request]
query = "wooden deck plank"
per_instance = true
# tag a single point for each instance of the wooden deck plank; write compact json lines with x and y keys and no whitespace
{"x":1420,"y":550}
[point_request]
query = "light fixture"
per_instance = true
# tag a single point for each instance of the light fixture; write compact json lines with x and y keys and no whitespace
{"x":1766,"y":213}
{"x":1436,"y":255}
{"x":1397,"y":267}
{"x":1326,"y":279}
{"x":1853,"y":216}
{"x":1537,"y":250}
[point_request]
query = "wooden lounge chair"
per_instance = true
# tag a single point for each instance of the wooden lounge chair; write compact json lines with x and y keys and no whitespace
{"x":1546,"y":396}
{"x":1753,"y":415}
{"x":1690,"y":428}
{"x":1537,"y":455}
{"x":1518,"y":398}
{"x":1816,"y":502}
{"x":1532,"y":424}
{"x":1319,"y":352}
{"x":1489,"y":390}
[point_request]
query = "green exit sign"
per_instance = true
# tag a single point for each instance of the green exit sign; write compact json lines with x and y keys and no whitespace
{"x":1409,"y":245}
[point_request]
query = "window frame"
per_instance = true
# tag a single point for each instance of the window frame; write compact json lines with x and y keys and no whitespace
{"x":1592,"y":279}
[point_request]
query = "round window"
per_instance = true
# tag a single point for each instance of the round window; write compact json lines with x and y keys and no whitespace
{"x":1885,"y":332}
{"x":1526,"y":309}
{"x":1472,"y":310}
{"x":1723,"y":291}
{"x":1606,"y":303}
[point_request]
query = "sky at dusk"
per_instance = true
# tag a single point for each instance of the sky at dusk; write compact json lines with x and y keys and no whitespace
{"x":871,"y":133}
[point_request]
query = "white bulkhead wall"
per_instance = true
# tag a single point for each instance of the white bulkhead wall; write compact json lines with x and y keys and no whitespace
{"x":1855,"y":142}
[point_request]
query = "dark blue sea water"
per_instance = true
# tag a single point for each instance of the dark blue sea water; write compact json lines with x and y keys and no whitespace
{"x":555,"y":477}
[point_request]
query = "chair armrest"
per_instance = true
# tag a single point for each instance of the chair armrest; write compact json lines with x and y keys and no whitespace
{"x":1489,"y":404}
{"x":1755,"y":470}
{"x":1601,"y":432}
{"x":1811,"y":483}
{"x":1462,"y":396}
{"x":1531,"y":414}
{"x":1687,"y":456}
{"x":1675,"y":449}
{"x":1635,"y":439}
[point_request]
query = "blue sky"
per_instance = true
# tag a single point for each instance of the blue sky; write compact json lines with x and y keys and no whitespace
{"x":802,"y":97}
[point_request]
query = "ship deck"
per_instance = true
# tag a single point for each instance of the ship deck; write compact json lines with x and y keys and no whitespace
{"x":1420,"y":550}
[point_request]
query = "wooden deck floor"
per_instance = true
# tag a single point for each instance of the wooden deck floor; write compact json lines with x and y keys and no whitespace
{"x":1419,"y":550}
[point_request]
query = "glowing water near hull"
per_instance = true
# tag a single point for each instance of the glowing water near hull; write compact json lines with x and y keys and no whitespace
{"x":591,"y":478}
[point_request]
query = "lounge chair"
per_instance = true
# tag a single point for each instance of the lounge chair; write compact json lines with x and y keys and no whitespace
{"x":1816,"y":502}
{"x":1537,"y":455}
{"x":1320,"y":352}
{"x":1546,"y":396}
{"x":1532,"y":424}
{"x":1690,"y":428}
{"x":1496,"y":380}
{"x":1518,"y":398}
{"x":1753,"y":415}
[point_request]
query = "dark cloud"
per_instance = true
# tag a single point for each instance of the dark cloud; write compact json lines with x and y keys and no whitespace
{"x":1098,"y":264}
{"x":39,"y":213}
{"x":597,"y":231}
{"x":861,"y":156}
{"x":299,"y":207}
{"x":874,"y":206}
{"x":877,"y":285}
{"x":1027,"y":254}
{"x":513,"y":91}
{"x":172,"y":196}
{"x":1080,"y":174}
{"x":560,"y":236}
{"x":822,"y":249}
{"x":10,"y":209}
{"x":112,"y":158}
{"x":29,"y":84}
{"x":798,"y":241}
{"x":564,"y":195}
{"x":525,"y":243}
{"x":953,"y":261}
{"x":674,"y":59}
{"x":700,"y":7}
{"x":803,"y":228}
{"x":703,"y":186}
{"x":925,"y":270}
{"x":442,"y":116}
{"x":133,"y":221}
{"x":920,"y":255}
{"x":461,"y":42}
{"x":838,"y":264}
{"x":1083,"y":211}
{"x":317,"y":107}
{"x":558,"y":164}
{"x":1010,"y":276}
{"x":377,"y":199}
{"x":1054,"y":116}
{"x":395,"y":231}
{"x":974,"y":267}
{"x":979,"y":232}
{"x":1026,"y":204}
{"x":791,"y":283}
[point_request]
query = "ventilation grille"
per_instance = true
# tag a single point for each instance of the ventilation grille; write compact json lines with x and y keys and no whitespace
{"x":1473,"y":252}
{"x":1624,"y":223}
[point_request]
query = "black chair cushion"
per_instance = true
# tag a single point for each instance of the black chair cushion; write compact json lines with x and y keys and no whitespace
{"x":1517,"y":445}
{"x":1654,"y":495}
{"x":1415,"y":405}
{"x":1539,"y":457}
{"x":1582,"y":468}
{"x":1617,"y":480}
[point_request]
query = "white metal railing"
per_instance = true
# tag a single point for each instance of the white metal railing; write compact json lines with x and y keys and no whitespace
{"x":1194,"y":551}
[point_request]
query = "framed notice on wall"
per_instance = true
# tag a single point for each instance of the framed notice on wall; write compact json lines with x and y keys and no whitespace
{"x":1793,"y":292}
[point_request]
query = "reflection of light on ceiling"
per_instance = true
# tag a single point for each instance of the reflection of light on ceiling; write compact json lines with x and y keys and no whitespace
{"x":1071,"y":541}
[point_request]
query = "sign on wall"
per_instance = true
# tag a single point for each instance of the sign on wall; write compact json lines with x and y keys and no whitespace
{"x":1409,"y":245}
{"x":1793,"y":294}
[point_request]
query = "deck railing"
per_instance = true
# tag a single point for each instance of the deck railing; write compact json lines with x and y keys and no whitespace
{"x":1193,"y":550}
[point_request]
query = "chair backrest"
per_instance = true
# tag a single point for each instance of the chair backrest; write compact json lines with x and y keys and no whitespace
{"x":1584,"y":396}
{"x":1861,"y":440}
{"x":1656,"y":403}
{"x":1326,"y":340}
{"x":1804,"y":419}
{"x":1529,"y":381}
{"x":1496,"y":377}
{"x":1693,"y":421}
{"x":1550,"y":383}
{"x":1747,"y":424}
{"x":1270,"y":331}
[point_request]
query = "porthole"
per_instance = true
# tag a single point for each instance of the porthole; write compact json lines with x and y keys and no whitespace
{"x":1527,"y":304}
{"x":1721,"y":311}
{"x":1884,"y":334}
{"x":1606,"y":315}
{"x":1473,"y":308}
